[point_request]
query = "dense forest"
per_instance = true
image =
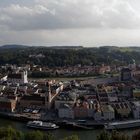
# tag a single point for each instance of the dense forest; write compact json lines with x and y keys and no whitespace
{"x":68,"y":56}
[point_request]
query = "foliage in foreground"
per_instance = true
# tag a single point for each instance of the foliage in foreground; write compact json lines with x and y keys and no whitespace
{"x":115,"y":135}
{"x":8,"y":133}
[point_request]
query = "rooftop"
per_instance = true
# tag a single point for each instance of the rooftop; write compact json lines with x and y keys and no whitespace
{"x":15,"y":76}
{"x":107,"y":108}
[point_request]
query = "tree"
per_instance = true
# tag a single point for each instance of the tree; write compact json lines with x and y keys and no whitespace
{"x":73,"y":137}
{"x":118,"y":136}
{"x":34,"y":135}
{"x":10,"y":134}
{"x":136,"y":136}
{"x":104,"y":135}
{"x":49,"y":136}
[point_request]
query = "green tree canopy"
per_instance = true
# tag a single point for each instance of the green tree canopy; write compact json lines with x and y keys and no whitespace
{"x":10,"y":134}
{"x":104,"y":135}
{"x":34,"y":135}
{"x":73,"y":137}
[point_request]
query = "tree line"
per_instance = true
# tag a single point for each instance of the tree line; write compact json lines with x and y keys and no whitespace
{"x":9,"y":133}
{"x":115,"y":135}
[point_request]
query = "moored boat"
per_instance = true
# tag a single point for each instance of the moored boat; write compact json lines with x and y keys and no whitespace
{"x":122,"y":124}
{"x":42,"y":125}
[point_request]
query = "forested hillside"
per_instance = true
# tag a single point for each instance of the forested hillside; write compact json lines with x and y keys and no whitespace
{"x":68,"y":56}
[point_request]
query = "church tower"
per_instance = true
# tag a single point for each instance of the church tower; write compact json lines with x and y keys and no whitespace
{"x":48,"y":96}
{"x":25,"y":77}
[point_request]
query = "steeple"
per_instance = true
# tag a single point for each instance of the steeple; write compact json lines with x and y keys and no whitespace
{"x":48,"y":95}
{"x":49,"y":92}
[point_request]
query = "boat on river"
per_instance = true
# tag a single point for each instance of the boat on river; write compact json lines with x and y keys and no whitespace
{"x":42,"y":125}
{"x":122,"y":125}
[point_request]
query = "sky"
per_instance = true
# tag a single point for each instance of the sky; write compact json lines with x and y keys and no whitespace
{"x":90,"y":23}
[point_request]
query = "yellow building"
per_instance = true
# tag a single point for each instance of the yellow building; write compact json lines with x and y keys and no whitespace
{"x":7,"y":105}
{"x":108,"y":112}
{"x":136,"y":93}
{"x":123,"y":109}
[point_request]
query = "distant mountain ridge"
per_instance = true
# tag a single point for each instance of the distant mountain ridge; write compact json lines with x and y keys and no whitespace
{"x":13,"y":46}
{"x":109,"y":48}
{"x":26,"y":46}
{"x":59,"y":56}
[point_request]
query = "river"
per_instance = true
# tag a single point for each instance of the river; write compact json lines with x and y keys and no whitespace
{"x":60,"y":133}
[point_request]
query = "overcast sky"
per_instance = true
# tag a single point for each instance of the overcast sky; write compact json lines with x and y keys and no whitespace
{"x":70,"y":22}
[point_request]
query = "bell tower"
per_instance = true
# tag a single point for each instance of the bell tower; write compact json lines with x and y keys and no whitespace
{"x":48,"y":96}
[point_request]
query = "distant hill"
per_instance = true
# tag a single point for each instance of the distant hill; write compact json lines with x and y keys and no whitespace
{"x":13,"y":46}
{"x":122,"y":49}
{"x":130,"y":49}
{"x":66,"y":47}
{"x":59,"y":56}
{"x":26,"y":46}
{"x":107,"y":48}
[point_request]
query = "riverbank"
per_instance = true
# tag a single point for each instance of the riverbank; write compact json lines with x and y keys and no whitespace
{"x":60,"y":133}
{"x":62,"y":123}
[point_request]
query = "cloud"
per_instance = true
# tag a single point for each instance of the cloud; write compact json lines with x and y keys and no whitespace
{"x":86,"y":37}
{"x":70,"y":22}
{"x":18,"y":17}
{"x":66,"y":14}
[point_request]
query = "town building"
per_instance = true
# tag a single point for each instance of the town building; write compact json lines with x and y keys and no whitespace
{"x":123,"y":109}
{"x":21,"y":77}
{"x":126,"y":74}
{"x":111,"y":93}
{"x":136,"y":109}
{"x":66,"y":111}
{"x":32,"y":101}
{"x":65,"y":98}
{"x":108,"y":112}
{"x":7,"y":105}
{"x":136,"y":93}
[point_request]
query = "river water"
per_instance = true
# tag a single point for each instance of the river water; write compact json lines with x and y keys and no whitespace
{"x":60,"y":133}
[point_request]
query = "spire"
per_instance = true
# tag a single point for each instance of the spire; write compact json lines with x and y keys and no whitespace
{"x":48,"y":95}
{"x":49,"y":92}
